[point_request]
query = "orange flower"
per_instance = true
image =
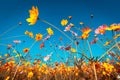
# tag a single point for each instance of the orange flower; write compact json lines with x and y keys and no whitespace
{"x":38,"y":37}
{"x":86,"y":32}
{"x":114,"y":27}
{"x":26,"y":50}
{"x":7,"y":78}
{"x":33,"y":15}
{"x":30,"y":74}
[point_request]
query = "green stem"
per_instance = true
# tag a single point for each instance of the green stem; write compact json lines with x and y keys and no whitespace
{"x":89,"y":49}
{"x":9,"y":30}
{"x":12,"y":37}
{"x":56,"y":28}
{"x":107,"y":52}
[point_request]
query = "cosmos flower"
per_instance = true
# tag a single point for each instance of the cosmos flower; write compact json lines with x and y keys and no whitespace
{"x":50,"y":31}
{"x":7,"y":78}
{"x":107,"y":43}
{"x":17,"y":41}
{"x":67,"y":28}
{"x":33,"y":15}
{"x":101,"y":29}
{"x":26,"y":50}
{"x":85,"y":33}
{"x":42,"y":45}
{"x":108,"y":67}
{"x":38,"y":37}
{"x":86,"y":30}
{"x":73,"y":50}
{"x":81,"y":23}
{"x":70,"y":17}
{"x":26,"y":32}
{"x":64,"y":22}
{"x":9,"y":46}
{"x":30,"y":74}
{"x":114,"y":27}
{"x":46,"y":58}
{"x":31,"y":34}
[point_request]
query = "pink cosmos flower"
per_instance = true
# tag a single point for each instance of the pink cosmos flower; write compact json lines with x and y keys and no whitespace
{"x":101,"y":29}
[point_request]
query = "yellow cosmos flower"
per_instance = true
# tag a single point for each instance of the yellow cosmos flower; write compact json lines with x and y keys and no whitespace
{"x":26,"y":32}
{"x":86,"y":32}
{"x":38,"y":37}
{"x":114,"y":27}
{"x":81,"y":23}
{"x":33,"y":15}
{"x":30,"y":74}
{"x":7,"y":78}
{"x":31,"y":34}
{"x":50,"y":31}
{"x":64,"y":22}
{"x":73,"y":50}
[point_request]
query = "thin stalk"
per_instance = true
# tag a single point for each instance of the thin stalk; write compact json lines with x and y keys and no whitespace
{"x":56,"y":28}
{"x":89,"y":49}
{"x":12,"y":37}
{"x":93,"y":62}
{"x":106,"y":52}
{"x":10,"y":29}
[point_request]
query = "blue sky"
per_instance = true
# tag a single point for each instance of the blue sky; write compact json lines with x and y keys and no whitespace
{"x":14,"y":11}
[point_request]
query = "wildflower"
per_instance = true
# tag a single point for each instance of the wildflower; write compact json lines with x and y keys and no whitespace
{"x":67,"y":48}
{"x":0,"y":56}
{"x":107,"y":60}
{"x":64,"y":22}
{"x":107,"y":43}
{"x":20,"y":23}
{"x":31,"y":34}
{"x":7,"y":78}
{"x":109,"y":68}
{"x":33,"y":15}
{"x":114,"y":27}
{"x":26,"y":50}
{"x":14,"y":51}
{"x":101,"y":29}
{"x":38,"y":37}
{"x":116,"y":36}
{"x":17,"y":41}
{"x":9,"y":46}
{"x":104,"y":73}
{"x":73,"y":50}
{"x":76,"y":74}
{"x":70,"y":17}
{"x":71,"y":24}
{"x":26,"y":32}
{"x":7,"y":55}
{"x":94,"y":41}
{"x":118,"y":76}
{"x":81,"y":23}
{"x":50,"y":31}
{"x":18,"y":55}
{"x":30,"y":74}
{"x":41,"y":45}
{"x":118,"y":57}
{"x":67,"y":28}
{"x":86,"y":32}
